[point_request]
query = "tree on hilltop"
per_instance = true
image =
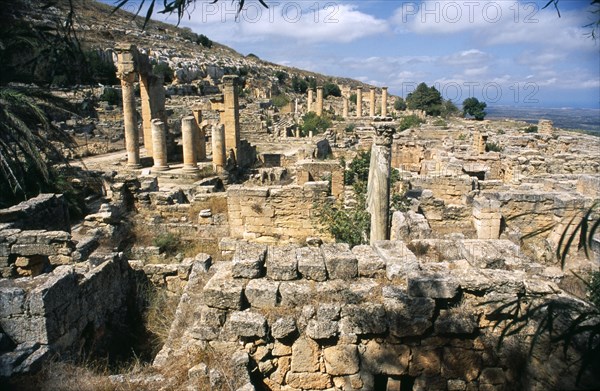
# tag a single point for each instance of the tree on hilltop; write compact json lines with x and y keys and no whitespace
{"x":475,"y":108}
{"x":425,"y":98}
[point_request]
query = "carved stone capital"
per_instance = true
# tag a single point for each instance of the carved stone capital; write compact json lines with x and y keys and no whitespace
{"x":384,"y":133}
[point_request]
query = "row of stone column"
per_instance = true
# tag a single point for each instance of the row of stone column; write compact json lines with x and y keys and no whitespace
{"x":345,"y":96}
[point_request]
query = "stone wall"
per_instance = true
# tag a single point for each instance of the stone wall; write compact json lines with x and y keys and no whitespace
{"x":370,"y":318}
{"x":450,"y":189}
{"x":46,"y":211}
{"x":61,"y":312}
{"x":275,"y":213}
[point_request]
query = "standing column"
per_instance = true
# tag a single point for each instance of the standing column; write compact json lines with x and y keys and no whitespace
{"x":146,"y":113}
{"x":159,"y":144}
{"x":218,"y":147}
{"x":378,"y":193}
{"x":188,"y":138}
{"x":200,"y":136}
{"x":309,"y":102}
{"x":384,"y":93}
{"x":358,"y":102}
{"x":319,"y":101}
{"x":372,"y":102}
{"x":231,"y":114}
{"x":345,"y":107}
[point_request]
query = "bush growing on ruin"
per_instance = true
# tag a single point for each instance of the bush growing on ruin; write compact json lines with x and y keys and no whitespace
{"x":474,"y":108}
{"x":110,"y":95}
{"x":400,"y":104}
{"x":280,"y":100}
{"x":425,"y":98}
{"x":168,"y":243}
{"x":281,"y":76}
{"x":312,"y":122}
{"x":299,"y":85}
{"x":493,"y":147}
{"x":331,"y":89}
{"x":352,"y":98}
{"x":163,"y":69}
{"x":441,"y":123}
{"x":531,"y":129}
{"x":410,"y":121}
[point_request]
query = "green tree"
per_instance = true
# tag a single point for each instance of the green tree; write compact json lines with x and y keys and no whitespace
{"x":299,"y":85}
{"x":352,"y":98}
{"x":312,"y":122}
{"x":281,"y":76}
{"x":410,"y":121}
{"x":449,"y":109}
{"x":400,"y":104}
{"x":331,"y":89}
{"x":475,"y":108}
{"x":425,"y":98}
{"x":163,"y":69}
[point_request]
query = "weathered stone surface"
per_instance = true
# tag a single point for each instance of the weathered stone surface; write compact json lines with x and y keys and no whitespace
{"x":311,"y":264}
{"x":305,"y":356}
{"x":321,"y":329}
{"x":363,"y":319}
{"x":433,"y":286}
{"x":407,"y":316}
{"x":386,"y":359}
{"x":207,"y":324}
{"x":455,"y":322}
{"x":424,"y":361}
{"x":283,"y":327}
{"x":341,"y":360}
{"x":461,"y":363}
{"x":247,"y":324}
{"x":248,"y":260}
{"x":308,"y":381}
{"x":399,"y":260}
{"x":262,"y":293}
{"x":295,"y":293}
{"x":369,"y":263}
{"x":339,"y":261}
{"x":282,"y":264}
{"x":224,"y":291}
{"x":280,"y":349}
{"x":494,"y":376}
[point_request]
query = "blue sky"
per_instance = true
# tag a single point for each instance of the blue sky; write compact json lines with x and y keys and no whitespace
{"x":505,"y":52}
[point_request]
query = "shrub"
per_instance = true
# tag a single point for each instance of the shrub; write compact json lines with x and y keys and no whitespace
{"x":352,"y":98}
{"x":204,"y":41}
{"x":312,"y":122}
{"x":168,"y":243}
{"x":425,"y":98}
{"x":299,"y":85}
{"x":440,"y":122}
{"x":280,"y":100}
{"x":400,"y":104}
{"x":347,"y":225}
{"x":281,"y":76}
{"x":410,"y":121}
{"x":110,"y":95}
{"x":163,"y":69}
{"x":531,"y":129}
{"x":474,"y":108}
{"x":493,"y":147}
{"x":331,"y":89}
{"x":350,"y":128}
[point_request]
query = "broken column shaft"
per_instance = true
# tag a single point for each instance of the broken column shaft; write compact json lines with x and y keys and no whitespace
{"x":188,"y":138}
{"x":159,"y":145}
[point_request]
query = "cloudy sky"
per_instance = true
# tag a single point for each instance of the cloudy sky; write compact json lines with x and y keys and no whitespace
{"x":505,"y":52}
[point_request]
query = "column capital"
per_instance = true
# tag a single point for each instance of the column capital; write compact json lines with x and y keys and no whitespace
{"x":384,"y":134}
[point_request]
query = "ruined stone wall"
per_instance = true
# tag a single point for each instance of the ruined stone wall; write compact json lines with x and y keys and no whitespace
{"x":450,"y":189}
{"x":407,"y":156}
{"x":370,"y":318}
{"x":279,"y":212}
{"x":46,"y":212}
{"x":62,"y":311}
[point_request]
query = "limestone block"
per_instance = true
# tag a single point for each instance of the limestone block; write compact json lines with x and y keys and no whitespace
{"x":328,"y":312}
{"x":12,"y":300}
{"x":407,"y":316}
{"x":283,"y":327}
{"x":453,"y":322}
{"x":282,"y":264}
{"x":321,"y":329}
{"x":295,"y":293}
{"x":247,"y":324}
{"x":456,"y":385}
{"x":280,"y":349}
{"x":433,"y":286}
{"x":363,"y":319}
{"x":224,"y":291}
{"x":305,"y":356}
{"x":308,"y":381}
{"x":369,"y":263}
{"x":494,"y":376}
{"x":461,"y":363}
{"x":341,"y":360}
{"x":398,"y":258}
{"x":424,"y":361}
{"x":339,"y":261}
{"x":311,"y":264}
{"x":207,"y":324}
{"x":384,"y":358}
{"x":248,"y":260}
{"x":262,"y":293}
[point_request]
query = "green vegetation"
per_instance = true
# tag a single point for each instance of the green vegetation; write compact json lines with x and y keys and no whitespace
{"x":312,"y":122}
{"x":110,"y":95}
{"x":474,"y":108}
{"x":331,"y":89}
{"x":449,"y":109}
{"x":410,"y":121}
{"x":400,"y":104}
{"x":299,"y":85}
{"x":350,"y":128}
{"x":493,"y":147}
{"x":167,"y":242}
{"x":531,"y":129}
{"x":440,"y":122}
{"x":281,"y":76}
{"x":100,"y":71}
{"x":163,"y":69}
{"x":252,"y":55}
{"x":425,"y":98}
{"x":352,"y":98}
{"x":280,"y":100}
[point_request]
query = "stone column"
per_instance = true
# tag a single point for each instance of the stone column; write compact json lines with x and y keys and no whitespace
{"x":358,"y":102}
{"x":372,"y":102}
{"x":378,"y":194}
{"x":384,"y":96}
{"x":146,"y":113}
{"x":200,"y":136}
{"x":231,"y":115}
{"x":126,"y":72}
{"x":159,"y":144}
{"x":319,"y":101}
{"x":482,"y":142}
{"x":218,"y":148}
{"x":345,"y":107}
{"x":309,"y":102}
{"x":188,"y":138}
